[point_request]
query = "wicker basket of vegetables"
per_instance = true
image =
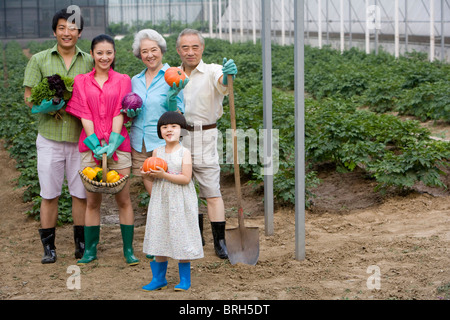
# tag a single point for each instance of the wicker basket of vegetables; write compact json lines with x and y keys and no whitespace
{"x":100,"y":180}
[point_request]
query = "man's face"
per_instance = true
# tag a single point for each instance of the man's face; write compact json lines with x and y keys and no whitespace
{"x":66,"y":34}
{"x":190,"y":50}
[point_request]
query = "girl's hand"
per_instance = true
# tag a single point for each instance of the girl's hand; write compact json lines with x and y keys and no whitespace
{"x":160,"y":173}
{"x":146,"y":175}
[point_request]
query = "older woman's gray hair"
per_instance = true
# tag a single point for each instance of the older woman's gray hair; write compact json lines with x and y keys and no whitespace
{"x":151,"y":35}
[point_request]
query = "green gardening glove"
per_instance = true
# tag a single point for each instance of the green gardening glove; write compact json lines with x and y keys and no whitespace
{"x":173,"y":92}
{"x":131,"y":113}
{"x":115,"y":140}
{"x":47,"y":106}
{"x":229,"y":67}
{"x":93,"y":143}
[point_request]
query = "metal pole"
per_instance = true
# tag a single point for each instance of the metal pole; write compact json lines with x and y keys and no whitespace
{"x":241,"y":20}
{"x":350,"y":44}
{"x":307,"y":21}
{"x":431,"y":30}
{"x":442,"y":32}
{"x":367,"y":29}
{"x":267,"y":114}
{"x":220,"y":19}
{"x":210,"y":18}
{"x":327,"y":22}
{"x":397,"y":37}
{"x":299,"y":131}
{"x":376,"y":27}
{"x":319,"y":22}
{"x":342,"y":24}
{"x":230,"y":21}
{"x":283,"y":40}
{"x":406,"y":26}
{"x":254,"y":20}
{"x":185,"y":11}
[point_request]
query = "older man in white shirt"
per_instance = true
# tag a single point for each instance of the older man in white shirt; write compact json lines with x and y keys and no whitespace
{"x":203,"y":98}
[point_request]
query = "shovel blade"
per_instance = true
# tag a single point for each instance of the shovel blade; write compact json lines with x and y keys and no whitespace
{"x":243,"y":245}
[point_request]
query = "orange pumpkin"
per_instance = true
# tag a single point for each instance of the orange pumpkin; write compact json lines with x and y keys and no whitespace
{"x":174,"y":74}
{"x":153,"y":162}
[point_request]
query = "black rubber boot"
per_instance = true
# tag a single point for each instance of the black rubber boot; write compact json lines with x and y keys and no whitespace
{"x":48,"y":241}
{"x":200,"y":225}
{"x":78,"y":238}
{"x":220,"y":246}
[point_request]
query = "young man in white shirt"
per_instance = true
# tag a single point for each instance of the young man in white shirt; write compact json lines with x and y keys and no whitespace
{"x":203,"y":97}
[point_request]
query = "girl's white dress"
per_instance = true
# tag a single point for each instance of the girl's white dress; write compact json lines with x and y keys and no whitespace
{"x":172,"y":220}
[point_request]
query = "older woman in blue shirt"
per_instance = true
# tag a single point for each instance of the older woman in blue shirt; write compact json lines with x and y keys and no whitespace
{"x":157,"y":96}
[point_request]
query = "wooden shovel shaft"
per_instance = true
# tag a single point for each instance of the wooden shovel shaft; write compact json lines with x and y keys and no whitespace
{"x":242,"y":242}
{"x":104,"y":163}
{"x":237,"y":177}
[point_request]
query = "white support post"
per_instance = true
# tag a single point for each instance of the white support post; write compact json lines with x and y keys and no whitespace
{"x":299,"y":131}
{"x":254,"y":20}
{"x":283,"y":36}
{"x":319,"y":22}
{"x":230,"y":27}
{"x":367,"y":29}
{"x":220,"y":19}
{"x":241,"y":19}
{"x":267,"y":114}
{"x":397,"y":36}
{"x":342,"y":25}
{"x":432,"y":38}
{"x":210,"y":18}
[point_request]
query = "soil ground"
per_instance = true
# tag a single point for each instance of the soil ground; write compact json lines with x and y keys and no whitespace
{"x":352,"y":236}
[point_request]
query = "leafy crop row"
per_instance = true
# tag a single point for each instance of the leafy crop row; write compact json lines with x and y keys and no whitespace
{"x":394,"y":153}
{"x":19,"y":132}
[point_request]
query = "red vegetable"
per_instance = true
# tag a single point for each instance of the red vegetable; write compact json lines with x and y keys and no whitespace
{"x":153,"y":162}
{"x":131,"y":101}
{"x":174,"y":74}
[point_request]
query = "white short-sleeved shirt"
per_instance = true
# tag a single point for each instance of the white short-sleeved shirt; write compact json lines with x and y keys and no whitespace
{"x":203,"y":95}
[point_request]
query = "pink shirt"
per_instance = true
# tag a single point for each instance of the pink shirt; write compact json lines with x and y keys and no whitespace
{"x":100,"y":105}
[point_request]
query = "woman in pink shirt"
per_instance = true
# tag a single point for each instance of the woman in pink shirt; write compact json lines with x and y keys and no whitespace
{"x":96,"y":100}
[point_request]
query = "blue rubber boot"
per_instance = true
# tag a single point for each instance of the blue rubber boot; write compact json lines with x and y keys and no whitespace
{"x":185,"y":276}
{"x":159,"y":281}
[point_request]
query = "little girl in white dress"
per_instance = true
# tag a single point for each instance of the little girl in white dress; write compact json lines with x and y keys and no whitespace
{"x":172,"y":220}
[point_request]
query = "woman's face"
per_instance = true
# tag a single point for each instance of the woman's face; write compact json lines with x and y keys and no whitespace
{"x":151,"y":54}
{"x":103,"y":55}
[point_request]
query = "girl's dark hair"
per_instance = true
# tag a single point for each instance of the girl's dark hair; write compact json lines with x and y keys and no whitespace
{"x":104,"y":38}
{"x":171,"y":117}
{"x":62,"y":14}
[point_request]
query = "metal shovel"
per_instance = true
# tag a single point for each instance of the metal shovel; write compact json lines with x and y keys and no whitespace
{"x":242,"y":242}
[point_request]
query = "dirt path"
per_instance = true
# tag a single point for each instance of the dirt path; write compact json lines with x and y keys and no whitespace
{"x":352,"y":237}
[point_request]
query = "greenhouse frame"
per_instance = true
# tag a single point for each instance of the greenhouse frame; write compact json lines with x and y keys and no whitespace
{"x":396,"y":26}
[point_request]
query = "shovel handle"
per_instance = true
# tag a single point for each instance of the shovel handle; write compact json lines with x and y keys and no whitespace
{"x":104,"y":163}
{"x":237,"y":177}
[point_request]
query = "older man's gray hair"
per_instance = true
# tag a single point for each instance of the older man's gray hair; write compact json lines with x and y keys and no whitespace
{"x":190,"y":31}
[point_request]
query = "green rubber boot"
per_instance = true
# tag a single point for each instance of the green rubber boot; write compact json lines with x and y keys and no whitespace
{"x":127,"y":238}
{"x":91,"y":238}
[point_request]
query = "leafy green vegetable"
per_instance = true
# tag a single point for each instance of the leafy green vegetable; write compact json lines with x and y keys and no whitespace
{"x":43,"y":90}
